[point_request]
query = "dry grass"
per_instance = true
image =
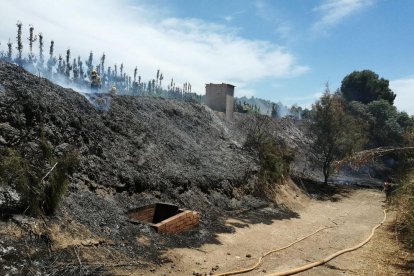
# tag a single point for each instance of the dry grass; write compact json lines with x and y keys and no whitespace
{"x":385,"y":255}
{"x":364,"y":157}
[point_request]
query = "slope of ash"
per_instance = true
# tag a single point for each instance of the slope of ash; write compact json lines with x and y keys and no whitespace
{"x":136,"y":151}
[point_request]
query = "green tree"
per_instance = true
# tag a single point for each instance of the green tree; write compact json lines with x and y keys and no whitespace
{"x":385,"y":129}
{"x":68,"y":64}
{"x":89,"y":64}
{"x":32,"y":38}
{"x":295,"y":111}
{"x":9,"y":51}
{"x":75,"y":70}
{"x":61,"y":66}
{"x":102,"y":65}
{"x":306,"y":114}
{"x":336,"y":134}
{"x":366,"y":86}
{"x":41,"y":56}
{"x":80,"y":70}
{"x":52,"y":59}
{"x":19,"y":59}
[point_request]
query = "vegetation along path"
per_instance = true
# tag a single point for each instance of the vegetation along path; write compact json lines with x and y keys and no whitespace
{"x":351,"y":216}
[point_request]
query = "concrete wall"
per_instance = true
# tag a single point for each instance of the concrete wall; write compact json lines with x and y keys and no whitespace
{"x":220,"y":97}
{"x":229,"y":106}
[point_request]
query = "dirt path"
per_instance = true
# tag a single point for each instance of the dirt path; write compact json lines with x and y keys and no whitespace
{"x":352,"y":216}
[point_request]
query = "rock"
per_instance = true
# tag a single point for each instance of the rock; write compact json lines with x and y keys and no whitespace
{"x":10,"y":200}
{"x":62,"y":149}
{"x":248,"y":255}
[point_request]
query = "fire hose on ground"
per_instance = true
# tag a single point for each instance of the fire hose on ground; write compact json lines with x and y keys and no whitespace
{"x":308,"y":266}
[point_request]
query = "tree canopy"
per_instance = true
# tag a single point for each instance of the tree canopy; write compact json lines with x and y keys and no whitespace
{"x":366,"y":86}
{"x":336,"y":133}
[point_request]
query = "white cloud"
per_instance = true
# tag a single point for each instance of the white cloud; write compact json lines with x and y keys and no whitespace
{"x":332,"y":12}
{"x":187,"y":49}
{"x":404,"y":88}
{"x":284,"y":30}
{"x":228,"y":18}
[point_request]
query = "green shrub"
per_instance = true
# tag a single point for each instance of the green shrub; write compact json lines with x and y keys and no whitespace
{"x":275,"y":161}
{"x":404,"y":202}
{"x":274,"y":157}
{"x":18,"y":173}
{"x":45,"y":146}
{"x":58,"y":182}
{"x":38,"y":197}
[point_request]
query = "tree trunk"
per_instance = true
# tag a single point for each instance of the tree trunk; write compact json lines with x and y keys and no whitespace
{"x":326,"y":172}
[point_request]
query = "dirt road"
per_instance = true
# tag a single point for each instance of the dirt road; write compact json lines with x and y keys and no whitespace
{"x":352,"y":217}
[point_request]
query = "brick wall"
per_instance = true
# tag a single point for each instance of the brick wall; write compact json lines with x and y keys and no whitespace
{"x":182,"y":221}
{"x":144,"y":214}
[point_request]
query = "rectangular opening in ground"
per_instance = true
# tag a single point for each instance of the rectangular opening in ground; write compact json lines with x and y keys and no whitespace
{"x":154,"y":213}
{"x":167,"y":218}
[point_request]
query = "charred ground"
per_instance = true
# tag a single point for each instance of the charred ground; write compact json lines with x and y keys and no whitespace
{"x":137,"y":151}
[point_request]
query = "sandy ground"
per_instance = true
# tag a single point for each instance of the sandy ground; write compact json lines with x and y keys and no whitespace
{"x":352,"y":217}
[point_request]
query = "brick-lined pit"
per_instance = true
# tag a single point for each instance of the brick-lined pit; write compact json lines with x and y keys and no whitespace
{"x":166,"y":218}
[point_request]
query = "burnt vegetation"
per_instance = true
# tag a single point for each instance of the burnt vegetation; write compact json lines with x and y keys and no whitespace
{"x":168,"y":147}
{"x":73,"y":71}
{"x":64,"y":160}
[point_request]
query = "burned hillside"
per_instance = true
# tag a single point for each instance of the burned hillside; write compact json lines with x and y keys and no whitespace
{"x":138,"y":151}
{"x":140,"y":143}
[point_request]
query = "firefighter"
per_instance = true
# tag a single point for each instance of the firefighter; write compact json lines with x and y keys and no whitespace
{"x":95,"y":80}
{"x":112,"y":92}
{"x":389,"y":190}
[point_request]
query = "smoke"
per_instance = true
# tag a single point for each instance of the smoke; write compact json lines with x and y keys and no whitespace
{"x":152,"y":37}
{"x":100,"y":100}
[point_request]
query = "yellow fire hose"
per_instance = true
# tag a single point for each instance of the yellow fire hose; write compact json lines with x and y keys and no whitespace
{"x":268,"y":253}
{"x":311,"y":265}
{"x":330,"y":257}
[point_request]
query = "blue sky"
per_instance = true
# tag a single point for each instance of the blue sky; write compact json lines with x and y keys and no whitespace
{"x":278,"y":50}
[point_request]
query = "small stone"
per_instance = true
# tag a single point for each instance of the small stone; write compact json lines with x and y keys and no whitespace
{"x":264,"y":271}
{"x":228,"y":253}
{"x":248,"y":255}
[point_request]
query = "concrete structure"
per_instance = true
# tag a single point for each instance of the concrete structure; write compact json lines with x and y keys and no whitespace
{"x":165,"y":218}
{"x":220,"y":97}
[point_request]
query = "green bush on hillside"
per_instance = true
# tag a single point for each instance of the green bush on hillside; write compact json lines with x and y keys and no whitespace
{"x":38,"y":197}
{"x":274,"y":158}
{"x":404,"y":201}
